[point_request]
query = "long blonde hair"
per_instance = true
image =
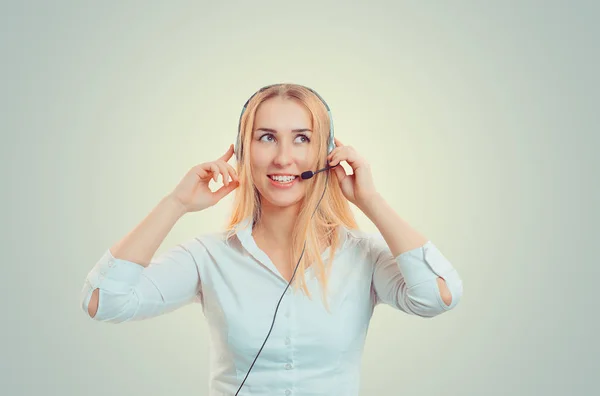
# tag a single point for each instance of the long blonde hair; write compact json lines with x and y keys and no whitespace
{"x":333,"y":210}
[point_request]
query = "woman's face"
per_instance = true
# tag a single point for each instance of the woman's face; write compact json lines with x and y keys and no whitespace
{"x":281,"y":147}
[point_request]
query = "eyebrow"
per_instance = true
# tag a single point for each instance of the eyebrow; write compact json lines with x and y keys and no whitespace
{"x":293,"y":130}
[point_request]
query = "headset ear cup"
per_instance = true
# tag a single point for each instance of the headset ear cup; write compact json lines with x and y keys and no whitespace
{"x":330,"y":144}
{"x":331,"y":140}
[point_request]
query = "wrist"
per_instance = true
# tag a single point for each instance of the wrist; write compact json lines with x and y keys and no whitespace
{"x":174,"y":206}
{"x":368,"y":204}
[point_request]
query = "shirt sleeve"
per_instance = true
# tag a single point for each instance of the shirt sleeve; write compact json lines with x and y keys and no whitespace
{"x":408,"y":282}
{"x":129,"y":291}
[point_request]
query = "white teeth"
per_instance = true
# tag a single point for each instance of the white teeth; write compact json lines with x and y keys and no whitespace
{"x":283,"y":179}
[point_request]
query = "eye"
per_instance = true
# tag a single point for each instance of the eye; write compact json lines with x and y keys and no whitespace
{"x":306,"y":139}
{"x":266,"y":134}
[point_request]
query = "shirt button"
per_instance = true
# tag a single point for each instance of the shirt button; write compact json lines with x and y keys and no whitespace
{"x":288,"y":366}
{"x":288,"y":392}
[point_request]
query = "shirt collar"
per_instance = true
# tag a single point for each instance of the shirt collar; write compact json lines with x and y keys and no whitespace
{"x":243,"y":230}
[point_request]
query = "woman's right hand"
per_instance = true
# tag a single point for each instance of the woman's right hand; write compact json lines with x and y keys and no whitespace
{"x":193,"y":193}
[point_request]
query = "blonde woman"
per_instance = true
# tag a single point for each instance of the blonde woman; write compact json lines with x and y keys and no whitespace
{"x":289,"y":287}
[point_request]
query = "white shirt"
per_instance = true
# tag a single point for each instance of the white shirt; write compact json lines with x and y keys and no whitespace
{"x":309,"y":351}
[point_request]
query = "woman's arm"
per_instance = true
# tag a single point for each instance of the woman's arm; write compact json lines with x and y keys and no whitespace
{"x":410,"y":265}
{"x":141,"y":243}
{"x":121,"y":267}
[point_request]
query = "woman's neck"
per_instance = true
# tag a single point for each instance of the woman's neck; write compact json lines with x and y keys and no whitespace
{"x":276,"y":227}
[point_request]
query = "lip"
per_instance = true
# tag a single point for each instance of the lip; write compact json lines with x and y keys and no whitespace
{"x":283,"y":185}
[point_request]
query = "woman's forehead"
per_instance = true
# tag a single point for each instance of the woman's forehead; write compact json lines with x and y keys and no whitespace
{"x":278,"y":113}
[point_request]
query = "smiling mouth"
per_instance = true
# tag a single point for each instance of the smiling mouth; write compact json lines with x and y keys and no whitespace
{"x":283,"y":179}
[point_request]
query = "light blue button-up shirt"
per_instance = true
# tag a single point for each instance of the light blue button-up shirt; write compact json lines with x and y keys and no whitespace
{"x":309,"y":351}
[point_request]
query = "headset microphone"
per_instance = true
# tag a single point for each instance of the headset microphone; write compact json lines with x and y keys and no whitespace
{"x":308,"y":174}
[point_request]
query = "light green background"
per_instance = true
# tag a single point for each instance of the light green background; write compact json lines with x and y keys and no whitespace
{"x":480,"y":122}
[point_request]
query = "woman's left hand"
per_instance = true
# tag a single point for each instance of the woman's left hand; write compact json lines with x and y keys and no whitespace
{"x":358,"y":188}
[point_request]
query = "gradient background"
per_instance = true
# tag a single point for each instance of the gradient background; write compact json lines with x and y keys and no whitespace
{"x":480,"y":122}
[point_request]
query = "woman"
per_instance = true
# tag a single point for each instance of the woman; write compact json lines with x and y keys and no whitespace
{"x":284,"y":230}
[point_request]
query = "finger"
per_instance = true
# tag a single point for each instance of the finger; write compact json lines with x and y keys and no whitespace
{"x":204,"y":170}
{"x":225,"y":157}
{"x":232,"y":172}
{"x":336,"y":158}
{"x":338,"y":142}
{"x":215,"y":171}
{"x":230,"y":169}
{"x":351,"y":157}
{"x":333,"y":152}
{"x":200,"y":170}
{"x":224,"y":172}
{"x":333,"y":155}
{"x":340,"y":172}
{"x":330,"y":160}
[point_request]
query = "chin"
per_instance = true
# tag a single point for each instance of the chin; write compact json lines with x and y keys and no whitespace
{"x":281,"y":199}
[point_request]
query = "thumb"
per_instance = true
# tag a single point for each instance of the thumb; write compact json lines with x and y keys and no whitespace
{"x":340,"y":173}
{"x":224,"y":190}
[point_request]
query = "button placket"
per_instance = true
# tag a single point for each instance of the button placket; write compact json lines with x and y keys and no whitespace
{"x":287,"y":314}
{"x":290,"y":322}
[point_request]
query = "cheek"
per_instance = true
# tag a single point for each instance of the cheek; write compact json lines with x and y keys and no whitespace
{"x":257,"y":157}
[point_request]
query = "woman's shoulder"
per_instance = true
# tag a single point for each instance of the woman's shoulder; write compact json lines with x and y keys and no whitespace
{"x":208,"y":242}
{"x":215,"y":238}
{"x":360,"y":234}
{"x":361,"y":239}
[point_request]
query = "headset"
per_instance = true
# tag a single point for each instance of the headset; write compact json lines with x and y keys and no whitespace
{"x":305,"y":175}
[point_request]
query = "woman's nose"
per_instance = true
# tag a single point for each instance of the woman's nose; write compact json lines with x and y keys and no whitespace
{"x":284,"y":155}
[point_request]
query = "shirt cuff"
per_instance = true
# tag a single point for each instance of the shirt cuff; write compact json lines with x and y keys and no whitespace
{"x":423,"y":264}
{"x":113,"y":274}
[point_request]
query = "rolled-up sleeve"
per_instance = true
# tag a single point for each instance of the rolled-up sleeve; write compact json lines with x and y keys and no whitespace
{"x":408,"y":282}
{"x":129,"y":291}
